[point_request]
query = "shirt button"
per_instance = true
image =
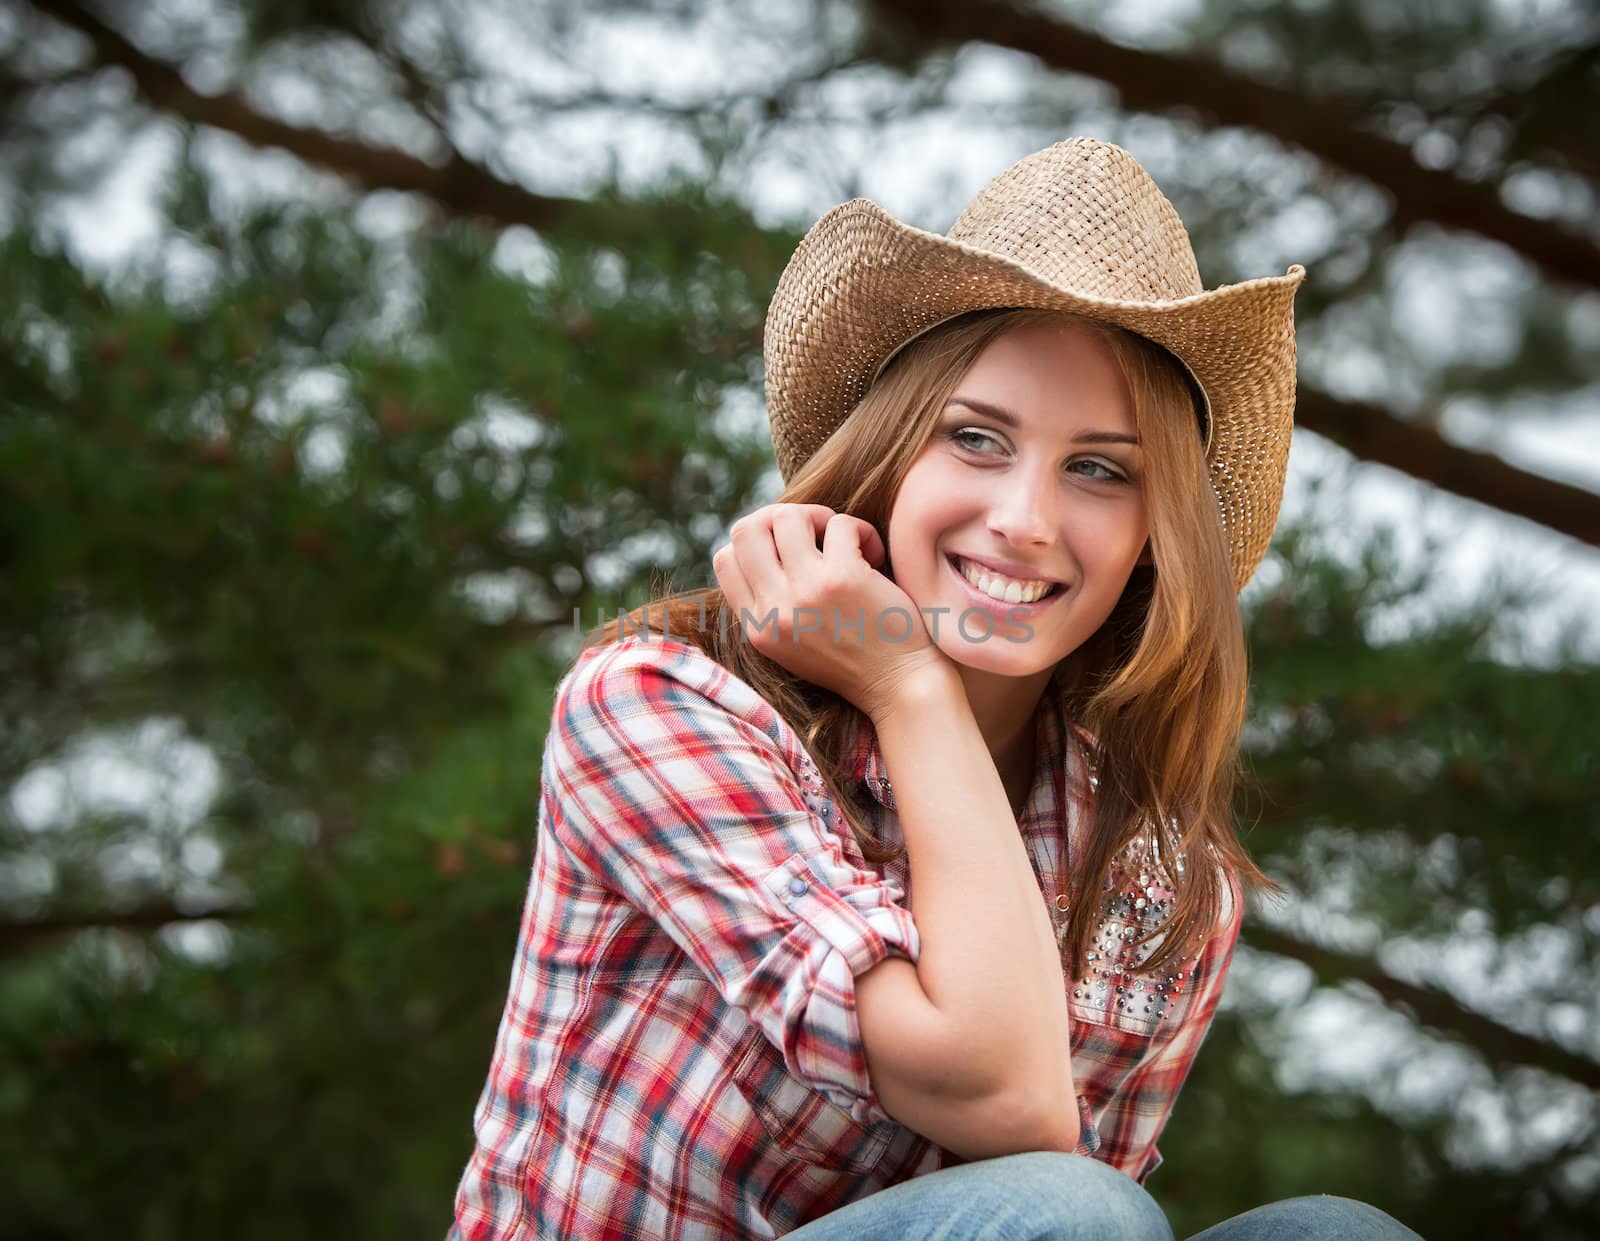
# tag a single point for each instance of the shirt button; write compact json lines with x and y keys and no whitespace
{"x":798,"y":886}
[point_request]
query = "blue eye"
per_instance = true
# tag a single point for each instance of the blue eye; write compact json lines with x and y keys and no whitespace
{"x":1107,"y":473}
{"x":982,"y":443}
{"x":966,"y":437}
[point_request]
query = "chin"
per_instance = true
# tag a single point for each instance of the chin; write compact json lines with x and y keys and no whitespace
{"x":1000,"y":657}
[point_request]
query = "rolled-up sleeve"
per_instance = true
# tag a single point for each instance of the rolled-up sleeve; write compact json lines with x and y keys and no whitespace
{"x":674,"y":784}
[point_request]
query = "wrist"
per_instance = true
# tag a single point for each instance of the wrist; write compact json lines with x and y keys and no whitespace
{"x":913,"y":691}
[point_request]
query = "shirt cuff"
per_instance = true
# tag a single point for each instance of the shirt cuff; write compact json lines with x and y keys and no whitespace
{"x":1088,"y":1134}
{"x":852,"y":920}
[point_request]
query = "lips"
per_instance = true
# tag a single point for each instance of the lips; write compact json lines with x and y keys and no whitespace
{"x":1006,"y":569}
{"x":999,"y":606}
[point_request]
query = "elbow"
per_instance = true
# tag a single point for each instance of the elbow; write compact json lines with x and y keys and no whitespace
{"x":1063,"y":1130}
{"x":1046,"y":1122}
{"x":1016,"y":1121}
{"x":979,"y":1092}
{"x":1029,"y":1108}
{"x":1036,"y":1104}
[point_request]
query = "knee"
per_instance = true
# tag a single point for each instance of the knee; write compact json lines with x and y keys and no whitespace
{"x":1075,"y":1198}
{"x":1327,"y":1217}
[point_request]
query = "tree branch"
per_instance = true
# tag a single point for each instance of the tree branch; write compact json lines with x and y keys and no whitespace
{"x":459,"y":185}
{"x":1329,"y":129}
{"x":1540,"y":110}
{"x":17,"y":936}
{"x":1424,"y":454}
{"x":1432,"y":1006}
{"x":463,"y":188}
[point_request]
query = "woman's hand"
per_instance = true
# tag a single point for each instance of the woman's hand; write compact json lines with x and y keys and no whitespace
{"x":826,"y":614}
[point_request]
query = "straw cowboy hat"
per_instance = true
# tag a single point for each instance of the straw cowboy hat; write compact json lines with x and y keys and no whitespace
{"x":1081,"y":227}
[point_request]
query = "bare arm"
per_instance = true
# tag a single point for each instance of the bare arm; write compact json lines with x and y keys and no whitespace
{"x":968,"y":1047}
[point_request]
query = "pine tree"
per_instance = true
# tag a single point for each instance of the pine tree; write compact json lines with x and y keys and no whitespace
{"x":301,"y":500}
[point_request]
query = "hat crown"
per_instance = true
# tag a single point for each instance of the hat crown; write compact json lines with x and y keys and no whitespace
{"x":1085,"y":216}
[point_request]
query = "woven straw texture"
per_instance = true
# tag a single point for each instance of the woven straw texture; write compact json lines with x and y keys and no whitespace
{"x":1079,"y":226}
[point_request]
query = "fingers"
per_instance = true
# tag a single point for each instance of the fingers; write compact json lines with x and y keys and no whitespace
{"x":776,"y":540}
{"x":796,"y":529}
{"x":847,"y":537}
{"x":732,"y":581}
{"x":799,"y":528}
{"x":757,"y":555}
{"x":773,"y":548}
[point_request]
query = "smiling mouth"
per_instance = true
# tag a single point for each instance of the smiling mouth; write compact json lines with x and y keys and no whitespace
{"x":1012,"y":593}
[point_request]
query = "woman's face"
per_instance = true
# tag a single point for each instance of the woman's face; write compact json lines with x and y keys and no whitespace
{"x":1033,"y":475}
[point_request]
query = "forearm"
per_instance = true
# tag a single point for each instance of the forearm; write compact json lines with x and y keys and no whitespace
{"x":989,"y":965}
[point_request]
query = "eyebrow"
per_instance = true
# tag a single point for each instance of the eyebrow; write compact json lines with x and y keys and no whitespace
{"x":1003,"y":415}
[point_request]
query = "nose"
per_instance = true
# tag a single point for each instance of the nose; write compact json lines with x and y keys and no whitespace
{"x":1024,"y":512}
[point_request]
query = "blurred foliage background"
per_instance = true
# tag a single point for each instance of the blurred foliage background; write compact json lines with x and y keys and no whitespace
{"x":350,"y":347}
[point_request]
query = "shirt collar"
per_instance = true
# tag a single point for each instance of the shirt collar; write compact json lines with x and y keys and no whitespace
{"x":867,"y":765}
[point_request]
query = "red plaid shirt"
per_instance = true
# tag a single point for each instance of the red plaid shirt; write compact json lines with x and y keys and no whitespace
{"x":679,"y":1055}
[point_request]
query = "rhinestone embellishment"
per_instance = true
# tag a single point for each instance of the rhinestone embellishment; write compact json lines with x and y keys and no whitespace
{"x":1137,"y":898}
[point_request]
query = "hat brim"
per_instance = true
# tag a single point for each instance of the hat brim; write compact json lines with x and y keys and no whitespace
{"x":862,"y":284}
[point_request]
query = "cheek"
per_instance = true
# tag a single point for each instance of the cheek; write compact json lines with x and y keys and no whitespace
{"x":1115,"y":533}
{"x":924,"y":509}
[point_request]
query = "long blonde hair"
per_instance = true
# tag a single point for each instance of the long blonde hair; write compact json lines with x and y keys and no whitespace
{"x":1159,"y":688}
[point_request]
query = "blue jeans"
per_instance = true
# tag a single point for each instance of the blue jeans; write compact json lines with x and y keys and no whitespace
{"x":1045,"y":1196}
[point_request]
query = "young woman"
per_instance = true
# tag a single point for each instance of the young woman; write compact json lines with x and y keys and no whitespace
{"x":888,"y":889}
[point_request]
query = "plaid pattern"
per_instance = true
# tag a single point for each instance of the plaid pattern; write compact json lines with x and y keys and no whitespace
{"x":679,"y":1055}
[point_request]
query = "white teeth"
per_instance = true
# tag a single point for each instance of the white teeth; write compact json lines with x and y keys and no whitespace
{"x":1005,"y":589}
